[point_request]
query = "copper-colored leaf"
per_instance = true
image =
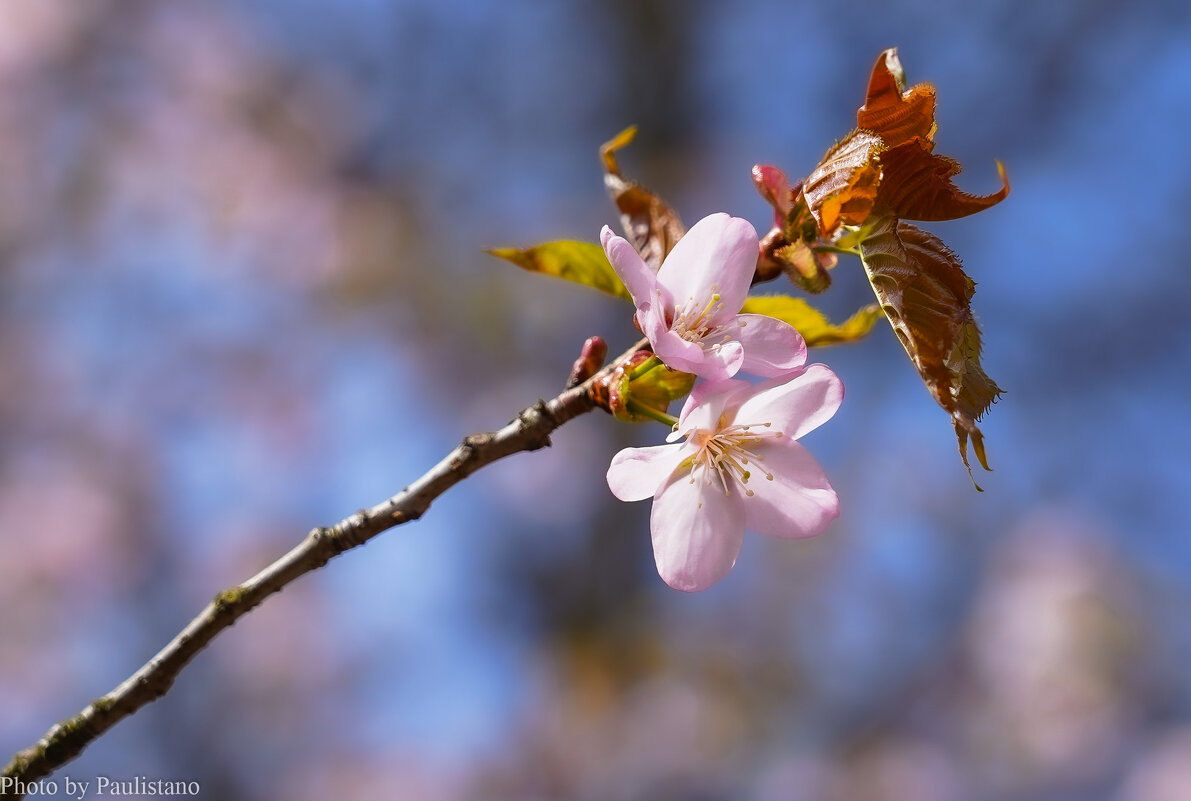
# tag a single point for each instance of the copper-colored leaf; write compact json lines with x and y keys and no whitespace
{"x":649,"y":223}
{"x":892,"y":113}
{"x":581,"y":262}
{"x":916,"y":185}
{"x":926,"y":296}
{"x":814,"y":326}
{"x":842,"y":189}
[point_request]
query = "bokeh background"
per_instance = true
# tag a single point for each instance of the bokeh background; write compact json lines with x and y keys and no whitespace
{"x":242,"y":293}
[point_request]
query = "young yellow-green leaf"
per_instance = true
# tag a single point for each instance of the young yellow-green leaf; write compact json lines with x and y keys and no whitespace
{"x":814,"y":326}
{"x":581,"y":262}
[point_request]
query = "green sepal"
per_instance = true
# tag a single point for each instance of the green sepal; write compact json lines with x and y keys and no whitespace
{"x":644,"y":388}
{"x":814,"y":326}
{"x":580,"y":262}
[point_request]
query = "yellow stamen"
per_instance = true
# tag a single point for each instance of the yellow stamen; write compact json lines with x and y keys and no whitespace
{"x":724,"y":454}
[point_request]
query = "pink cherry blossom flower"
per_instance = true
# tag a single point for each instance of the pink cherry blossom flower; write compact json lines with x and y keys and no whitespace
{"x":690,"y":308}
{"x":738,"y":468}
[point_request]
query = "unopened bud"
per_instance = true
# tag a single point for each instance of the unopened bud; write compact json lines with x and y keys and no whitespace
{"x":591,"y":359}
{"x":775,"y":188}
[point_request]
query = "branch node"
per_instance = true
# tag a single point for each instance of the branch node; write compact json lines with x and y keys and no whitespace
{"x":467,"y":450}
{"x":351,"y":532}
{"x":473,"y":442}
{"x":103,"y":705}
{"x":534,"y":415}
{"x":227,"y":601}
{"x":537,"y":421}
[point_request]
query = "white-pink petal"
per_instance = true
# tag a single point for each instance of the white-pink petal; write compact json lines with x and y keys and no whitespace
{"x":633,"y":272}
{"x":771,"y":347}
{"x":697,"y":533}
{"x":795,"y":405}
{"x":636,"y":473}
{"x":798,"y":502}
{"x":678,"y":353}
{"x":717,"y":255}
{"x":651,"y":318}
{"x":707,"y":402}
{"x":714,"y":364}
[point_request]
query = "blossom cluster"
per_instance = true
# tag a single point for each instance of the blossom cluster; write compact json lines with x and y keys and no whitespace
{"x":732,"y":461}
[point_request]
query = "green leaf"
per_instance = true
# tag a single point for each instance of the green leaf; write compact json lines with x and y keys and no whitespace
{"x":581,"y":262}
{"x":814,"y":326}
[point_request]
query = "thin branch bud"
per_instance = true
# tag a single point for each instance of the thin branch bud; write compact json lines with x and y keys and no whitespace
{"x":591,"y":359}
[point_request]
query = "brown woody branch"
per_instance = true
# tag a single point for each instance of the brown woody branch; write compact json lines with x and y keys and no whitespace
{"x":529,"y":431}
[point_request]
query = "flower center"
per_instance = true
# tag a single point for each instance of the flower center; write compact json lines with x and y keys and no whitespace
{"x":727,"y":454}
{"x":695,"y":324}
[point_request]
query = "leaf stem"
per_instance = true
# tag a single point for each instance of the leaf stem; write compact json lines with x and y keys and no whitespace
{"x":835,"y":249}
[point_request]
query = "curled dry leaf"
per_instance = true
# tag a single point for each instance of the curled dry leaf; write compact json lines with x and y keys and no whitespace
{"x":649,"y":223}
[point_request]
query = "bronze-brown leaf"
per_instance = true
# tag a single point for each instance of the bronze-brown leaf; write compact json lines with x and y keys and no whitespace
{"x":843,"y":188}
{"x":916,"y":185}
{"x":886,"y":167}
{"x":926,"y":297}
{"x":891,"y":112}
{"x":649,"y":223}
